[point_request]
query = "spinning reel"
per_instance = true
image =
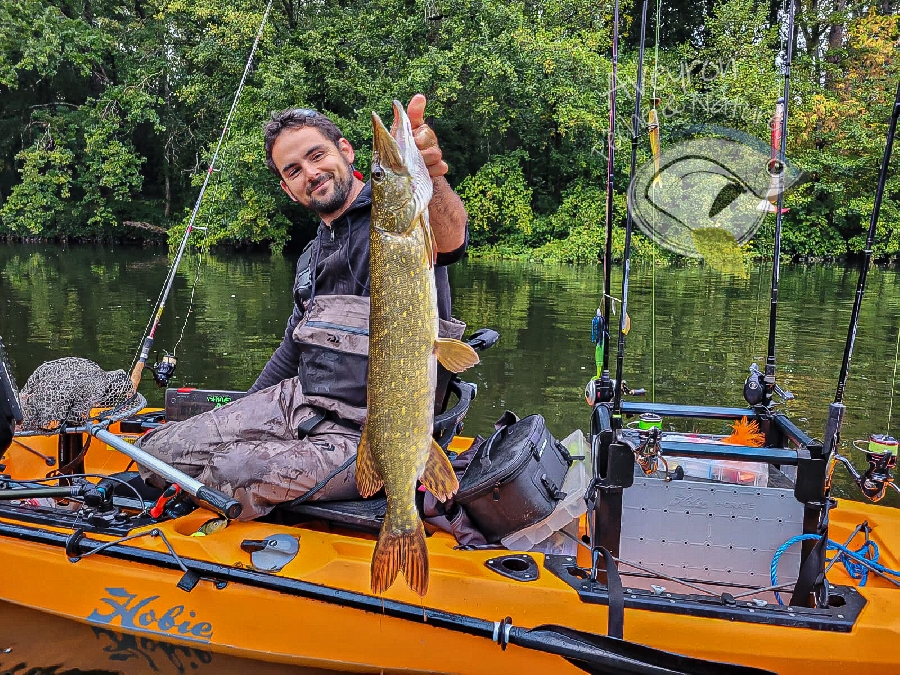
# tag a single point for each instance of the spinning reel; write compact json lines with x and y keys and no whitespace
{"x":881,"y":454}
{"x":164,"y":369}
{"x":648,"y":453}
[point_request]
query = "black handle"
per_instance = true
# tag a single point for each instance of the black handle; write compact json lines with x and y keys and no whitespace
{"x":254,"y":545}
{"x":483,"y":338}
{"x":220,"y":503}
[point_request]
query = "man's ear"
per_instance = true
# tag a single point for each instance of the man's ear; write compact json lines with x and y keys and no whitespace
{"x":346,"y":150}
{"x":288,"y":191}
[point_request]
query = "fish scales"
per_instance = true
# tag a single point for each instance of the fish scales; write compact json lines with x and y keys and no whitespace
{"x":396,"y":447}
{"x":402,"y":368}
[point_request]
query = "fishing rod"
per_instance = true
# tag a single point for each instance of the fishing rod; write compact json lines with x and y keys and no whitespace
{"x":629,"y":224}
{"x":769,"y":378}
{"x":168,"y":363}
{"x":603,"y":337}
{"x":882,"y":457}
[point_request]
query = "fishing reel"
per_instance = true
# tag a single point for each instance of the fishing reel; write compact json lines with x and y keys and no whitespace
{"x":759,"y":392}
{"x":164,"y":369}
{"x":881,"y":453}
{"x":648,"y":452}
{"x":602,"y":390}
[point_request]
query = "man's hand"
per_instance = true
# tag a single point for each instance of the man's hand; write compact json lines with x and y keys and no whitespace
{"x":446,"y":210}
{"x":426,"y":141}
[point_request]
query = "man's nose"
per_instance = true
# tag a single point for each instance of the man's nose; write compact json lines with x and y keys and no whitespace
{"x":311,"y":171}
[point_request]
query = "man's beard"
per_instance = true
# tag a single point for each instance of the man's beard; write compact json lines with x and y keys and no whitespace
{"x":338,"y":196}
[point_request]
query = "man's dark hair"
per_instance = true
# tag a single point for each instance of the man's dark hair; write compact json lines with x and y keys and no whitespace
{"x":297,"y":118}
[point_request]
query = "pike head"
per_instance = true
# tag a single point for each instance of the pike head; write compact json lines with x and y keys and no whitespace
{"x":401,"y":186}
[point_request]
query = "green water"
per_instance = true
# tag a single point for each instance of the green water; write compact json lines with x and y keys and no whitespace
{"x":95,"y":302}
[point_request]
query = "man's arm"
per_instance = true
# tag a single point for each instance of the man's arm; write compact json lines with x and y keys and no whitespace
{"x":448,"y":217}
{"x":446,"y":211}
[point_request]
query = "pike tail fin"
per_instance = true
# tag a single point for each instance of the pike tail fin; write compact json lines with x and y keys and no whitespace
{"x":455,"y":355}
{"x":438,"y":476}
{"x":400,"y":551}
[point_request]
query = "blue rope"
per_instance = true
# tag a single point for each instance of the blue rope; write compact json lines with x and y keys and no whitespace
{"x":868,"y":552}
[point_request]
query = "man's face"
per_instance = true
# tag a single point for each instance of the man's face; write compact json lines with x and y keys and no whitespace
{"x":314,"y":171}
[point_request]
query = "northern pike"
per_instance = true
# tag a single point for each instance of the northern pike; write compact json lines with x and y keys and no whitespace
{"x":396,"y":448}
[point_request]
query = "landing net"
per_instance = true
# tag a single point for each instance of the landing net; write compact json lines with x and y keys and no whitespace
{"x":73,"y":391}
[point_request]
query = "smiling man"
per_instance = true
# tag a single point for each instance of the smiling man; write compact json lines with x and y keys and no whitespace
{"x":296,"y":433}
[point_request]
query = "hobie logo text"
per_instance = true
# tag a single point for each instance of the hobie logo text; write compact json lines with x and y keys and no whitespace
{"x":143,"y":615}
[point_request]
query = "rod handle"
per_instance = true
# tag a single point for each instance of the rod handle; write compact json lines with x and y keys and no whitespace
{"x":219,"y":502}
{"x":139,"y":366}
{"x":136,"y":374}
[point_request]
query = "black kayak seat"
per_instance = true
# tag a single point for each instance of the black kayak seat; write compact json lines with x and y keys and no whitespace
{"x":368,"y":514}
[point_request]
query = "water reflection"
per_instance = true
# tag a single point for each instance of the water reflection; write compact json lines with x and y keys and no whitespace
{"x":694,"y":331}
{"x":33,"y":643}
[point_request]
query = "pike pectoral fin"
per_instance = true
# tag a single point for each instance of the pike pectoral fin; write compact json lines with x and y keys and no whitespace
{"x":455,"y":355}
{"x":438,"y":476}
{"x":400,"y":550}
{"x":368,"y":482}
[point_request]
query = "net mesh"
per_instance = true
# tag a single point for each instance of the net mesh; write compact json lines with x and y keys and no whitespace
{"x":67,"y":390}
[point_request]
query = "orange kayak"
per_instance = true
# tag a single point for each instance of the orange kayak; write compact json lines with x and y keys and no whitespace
{"x":163,"y":580}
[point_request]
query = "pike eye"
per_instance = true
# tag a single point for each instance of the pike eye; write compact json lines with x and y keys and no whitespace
{"x":377,"y":173}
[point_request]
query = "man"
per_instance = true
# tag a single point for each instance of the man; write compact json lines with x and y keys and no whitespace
{"x":297,"y":431}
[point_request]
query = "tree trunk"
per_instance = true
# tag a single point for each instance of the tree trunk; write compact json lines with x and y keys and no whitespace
{"x":835,"y":41}
{"x":168,"y":193}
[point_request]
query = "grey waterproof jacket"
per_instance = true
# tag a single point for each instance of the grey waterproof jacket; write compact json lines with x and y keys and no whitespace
{"x":340,"y":257}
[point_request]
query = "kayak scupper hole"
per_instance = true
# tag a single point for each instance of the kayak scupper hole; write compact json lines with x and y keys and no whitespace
{"x":836,"y":601}
{"x":578,"y":572}
{"x":514,"y":564}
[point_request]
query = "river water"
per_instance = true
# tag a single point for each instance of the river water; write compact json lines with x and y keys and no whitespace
{"x":693,"y":334}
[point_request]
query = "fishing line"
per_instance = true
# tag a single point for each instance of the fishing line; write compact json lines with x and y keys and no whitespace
{"x":893,"y":381}
{"x":201,"y":248}
{"x":138,"y":367}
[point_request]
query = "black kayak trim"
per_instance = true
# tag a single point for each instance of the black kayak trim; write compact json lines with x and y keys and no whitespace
{"x":590,"y":652}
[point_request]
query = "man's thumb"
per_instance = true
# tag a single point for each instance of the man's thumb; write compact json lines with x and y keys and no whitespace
{"x":416,"y":110}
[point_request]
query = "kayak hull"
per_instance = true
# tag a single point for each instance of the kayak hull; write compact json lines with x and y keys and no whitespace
{"x":310,"y":614}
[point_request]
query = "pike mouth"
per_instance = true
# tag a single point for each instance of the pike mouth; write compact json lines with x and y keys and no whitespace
{"x":386,"y":146}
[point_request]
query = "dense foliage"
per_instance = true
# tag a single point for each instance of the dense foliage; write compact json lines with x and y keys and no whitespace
{"x":110,"y":109}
